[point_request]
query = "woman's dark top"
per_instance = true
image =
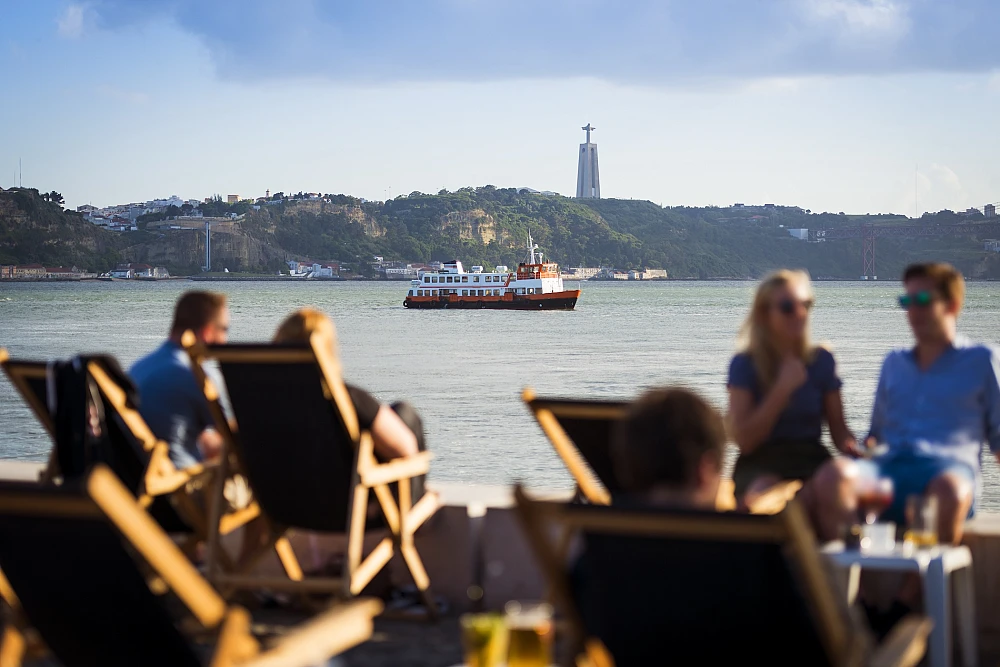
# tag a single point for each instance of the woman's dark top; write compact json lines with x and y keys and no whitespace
{"x":365,"y":405}
{"x":793,"y":450}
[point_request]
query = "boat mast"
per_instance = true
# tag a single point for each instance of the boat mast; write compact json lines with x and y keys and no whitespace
{"x":531,"y":249}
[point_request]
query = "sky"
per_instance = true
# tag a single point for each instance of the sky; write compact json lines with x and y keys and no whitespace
{"x":862,"y":106}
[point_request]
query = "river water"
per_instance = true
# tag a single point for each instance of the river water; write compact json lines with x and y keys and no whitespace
{"x":464,"y":370}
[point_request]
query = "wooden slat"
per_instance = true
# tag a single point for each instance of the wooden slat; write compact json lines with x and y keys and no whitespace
{"x":591,"y":488}
{"x":155,"y":547}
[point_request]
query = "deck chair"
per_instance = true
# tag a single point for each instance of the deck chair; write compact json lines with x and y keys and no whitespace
{"x":139,"y":459}
{"x":297,"y":440}
{"x":96,"y":577}
{"x":581,"y":432}
{"x":653,"y":586}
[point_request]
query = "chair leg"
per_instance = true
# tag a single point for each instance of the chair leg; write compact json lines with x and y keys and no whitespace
{"x":416,"y":567}
{"x":12,"y":647}
{"x":215,"y":503}
{"x":938,"y":608}
{"x":355,"y":536}
{"x":368,"y":568}
{"x":965,"y":608}
{"x":287,"y":557}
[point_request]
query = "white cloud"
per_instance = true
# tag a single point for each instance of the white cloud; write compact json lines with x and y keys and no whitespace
{"x":71,"y":22}
{"x":862,"y":19}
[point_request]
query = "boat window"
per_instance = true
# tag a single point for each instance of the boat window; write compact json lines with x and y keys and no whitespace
{"x":427,"y":279}
{"x":465,"y":279}
{"x":475,"y":279}
{"x":435,"y":279}
{"x":465,"y":292}
{"x":449,"y":278}
{"x":410,"y":293}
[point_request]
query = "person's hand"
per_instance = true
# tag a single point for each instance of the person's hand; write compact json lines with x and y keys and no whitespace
{"x":791,"y":375}
{"x":210,"y":443}
{"x":853,"y":448}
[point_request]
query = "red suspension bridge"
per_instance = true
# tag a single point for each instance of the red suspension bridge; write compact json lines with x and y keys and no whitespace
{"x":869,"y":232}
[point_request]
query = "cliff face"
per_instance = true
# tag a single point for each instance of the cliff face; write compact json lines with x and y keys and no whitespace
{"x":184,"y":250}
{"x":475,"y":225}
{"x":34,"y":230}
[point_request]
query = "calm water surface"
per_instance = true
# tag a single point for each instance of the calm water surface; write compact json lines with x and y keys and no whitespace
{"x":464,"y":370}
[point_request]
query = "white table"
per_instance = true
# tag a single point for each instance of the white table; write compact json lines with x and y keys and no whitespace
{"x":935,"y":566}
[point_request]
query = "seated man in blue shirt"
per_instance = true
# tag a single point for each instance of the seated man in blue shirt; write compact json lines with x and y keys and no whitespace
{"x":937,"y":404}
{"x":172,"y":403}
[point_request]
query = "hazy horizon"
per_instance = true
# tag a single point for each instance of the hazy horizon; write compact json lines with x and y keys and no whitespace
{"x":861,"y":106}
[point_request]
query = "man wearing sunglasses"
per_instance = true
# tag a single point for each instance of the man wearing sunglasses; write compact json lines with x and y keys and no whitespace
{"x":172,"y":402}
{"x":937,"y":404}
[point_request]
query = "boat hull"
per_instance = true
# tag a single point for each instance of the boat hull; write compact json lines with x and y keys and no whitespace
{"x":554,"y":301}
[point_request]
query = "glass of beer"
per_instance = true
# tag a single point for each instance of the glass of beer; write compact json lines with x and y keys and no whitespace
{"x":529,"y":632}
{"x":484,"y":639}
{"x":921,"y":521}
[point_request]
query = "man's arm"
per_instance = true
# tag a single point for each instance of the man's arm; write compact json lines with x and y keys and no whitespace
{"x":992,"y":400}
{"x":878,"y":410}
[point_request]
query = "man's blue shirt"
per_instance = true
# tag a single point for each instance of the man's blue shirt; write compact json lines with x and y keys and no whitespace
{"x":171,"y":402}
{"x":948,"y":411}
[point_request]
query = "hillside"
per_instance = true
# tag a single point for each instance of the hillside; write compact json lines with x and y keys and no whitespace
{"x":33,"y":230}
{"x":484,"y":226}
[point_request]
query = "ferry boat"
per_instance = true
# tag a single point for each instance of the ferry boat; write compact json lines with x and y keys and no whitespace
{"x":536,"y":285}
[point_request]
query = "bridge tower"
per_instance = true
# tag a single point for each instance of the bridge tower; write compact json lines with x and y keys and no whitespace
{"x":868,"y":253}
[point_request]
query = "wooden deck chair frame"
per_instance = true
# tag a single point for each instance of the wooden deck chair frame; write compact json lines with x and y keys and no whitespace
{"x":904,"y":647}
{"x":547,"y":413}
{"x":329,"y":633}
{"x":402,"y":518}
{"x":163,"y":478}
{"x":19,"y":373}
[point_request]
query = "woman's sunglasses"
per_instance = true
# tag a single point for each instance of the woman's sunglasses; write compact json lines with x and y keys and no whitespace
{"x":921,"y":299}
{"x":789,"y":306}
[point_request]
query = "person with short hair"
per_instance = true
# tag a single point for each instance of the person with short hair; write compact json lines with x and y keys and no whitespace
{"x":172,"y":403}
{"x":782,"y":389}
{"x":937,"y":404}
{"x":669,"y":449}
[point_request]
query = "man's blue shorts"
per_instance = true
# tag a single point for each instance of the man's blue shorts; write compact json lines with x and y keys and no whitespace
{"x":910,"y":475}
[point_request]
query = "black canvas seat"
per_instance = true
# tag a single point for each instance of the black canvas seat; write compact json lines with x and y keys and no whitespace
{"x":657,"y":586}
{"x":125,"y":443}
{"x":311,"y":467}
{"x":581,"y":431}
{"x":94,"y":575}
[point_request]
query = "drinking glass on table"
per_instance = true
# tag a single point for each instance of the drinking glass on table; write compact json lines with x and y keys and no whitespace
{"x":484,"y":639}
{"x":874,"y":497}
{"x":529,"y":634}
{"x":921,"y":521}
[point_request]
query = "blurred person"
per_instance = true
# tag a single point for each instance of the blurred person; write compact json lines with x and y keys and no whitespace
{"x":782,"y":389}
{"x":172,"y":403}
{"x":668,"y":450}
{"x":937,"y":404}
{"x":396,"y":430}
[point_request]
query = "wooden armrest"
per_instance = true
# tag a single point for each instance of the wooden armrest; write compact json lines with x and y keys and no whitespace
{"x":397,"y":469}
{"x":315,"y":641}
{"x":906,"y":644}
{"x":775,"y":498}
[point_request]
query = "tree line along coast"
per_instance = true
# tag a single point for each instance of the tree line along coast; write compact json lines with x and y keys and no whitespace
{"x":349,"y":237}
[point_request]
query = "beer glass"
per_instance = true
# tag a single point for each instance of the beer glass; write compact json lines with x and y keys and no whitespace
{"x":921,"y":521}
{"x":484,"y":639}
{"x":529,"y":633}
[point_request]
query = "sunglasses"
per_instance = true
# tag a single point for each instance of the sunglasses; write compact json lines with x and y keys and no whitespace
{"x":789,"y":306}
{"x":921,"y":299}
